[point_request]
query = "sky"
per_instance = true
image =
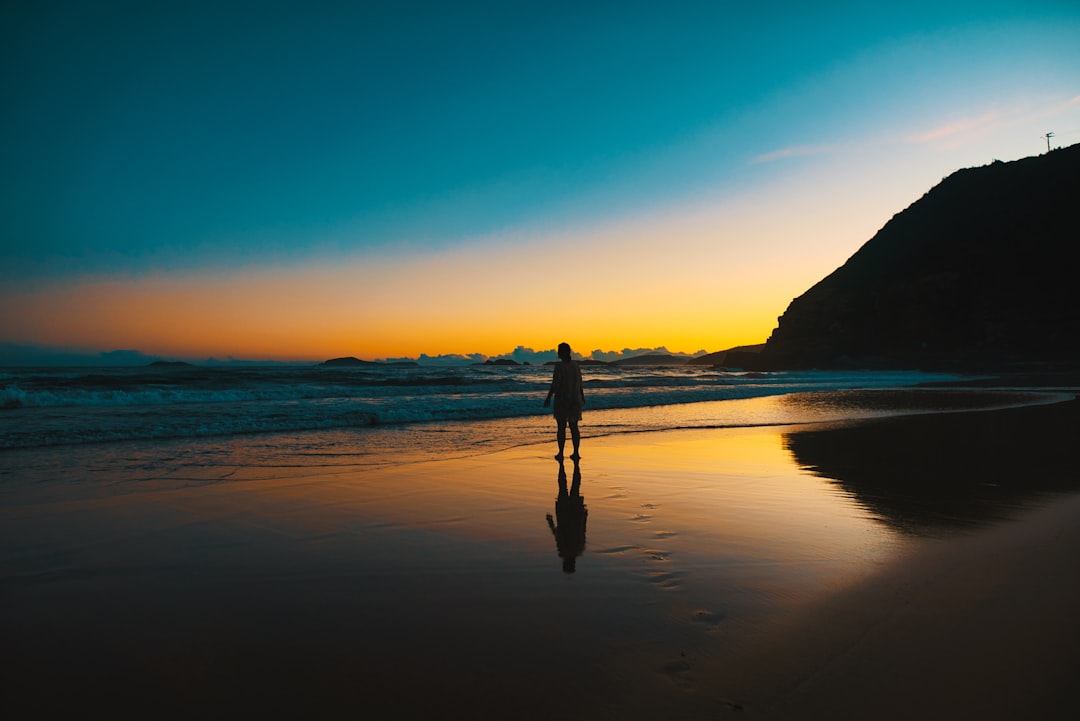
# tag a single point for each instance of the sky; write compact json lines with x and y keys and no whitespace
{"x":308,"y":180}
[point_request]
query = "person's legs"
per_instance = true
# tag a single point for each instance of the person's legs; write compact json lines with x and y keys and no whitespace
{"x":575,"y":437}
{"x":560,"y":436}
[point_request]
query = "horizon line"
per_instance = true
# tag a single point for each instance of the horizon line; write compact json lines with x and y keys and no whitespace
{"x":17,"y":355}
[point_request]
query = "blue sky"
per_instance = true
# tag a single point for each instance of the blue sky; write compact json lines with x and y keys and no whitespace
{"x":207,"y":144}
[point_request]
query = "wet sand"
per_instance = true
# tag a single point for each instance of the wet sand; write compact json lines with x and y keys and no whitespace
{"x":894,"y":568}
{"x":977,"y":622}
{"x":979,"y":627}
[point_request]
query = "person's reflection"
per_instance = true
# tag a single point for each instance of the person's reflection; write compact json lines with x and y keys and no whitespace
{"x":570,"y":514}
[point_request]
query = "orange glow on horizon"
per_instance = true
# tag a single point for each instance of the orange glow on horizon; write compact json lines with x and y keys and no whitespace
{"x":299,"y":319}
{"x":707,"y":277}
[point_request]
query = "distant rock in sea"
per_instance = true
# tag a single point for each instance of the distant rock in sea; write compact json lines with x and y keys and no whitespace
{"x":351,"y":362}
{"x":501,"y":362}
{"x":169,"y":364}
{"x":979,"y":273}
{"x":346,"y":362}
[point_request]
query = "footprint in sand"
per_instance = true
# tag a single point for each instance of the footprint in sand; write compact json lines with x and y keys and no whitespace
{"x":664,"y":579}
{"x":678,"y":671}
{"x":617,"y":549}
{"x":706,"y":617}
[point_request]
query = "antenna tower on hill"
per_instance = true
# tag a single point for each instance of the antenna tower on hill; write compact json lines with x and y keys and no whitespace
{"x":1048,"y":136}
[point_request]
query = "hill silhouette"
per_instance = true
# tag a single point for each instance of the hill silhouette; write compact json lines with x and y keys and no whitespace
{"x":978,"y":273}
{"x":731,"y":357}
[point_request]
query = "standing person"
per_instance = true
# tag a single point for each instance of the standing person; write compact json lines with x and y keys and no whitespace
{"x":569,"y":398}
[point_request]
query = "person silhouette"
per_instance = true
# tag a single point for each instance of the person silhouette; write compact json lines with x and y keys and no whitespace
{"x":570,"y":515}
{"x":569,"y":396}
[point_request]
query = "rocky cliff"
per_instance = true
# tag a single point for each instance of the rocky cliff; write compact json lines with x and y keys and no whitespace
{"x":979,"y":272}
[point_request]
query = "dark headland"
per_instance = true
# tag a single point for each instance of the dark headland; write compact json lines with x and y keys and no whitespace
{"x":977,"y":274}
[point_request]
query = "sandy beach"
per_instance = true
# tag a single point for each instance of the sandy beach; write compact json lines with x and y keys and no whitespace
{"x":921,"y":566}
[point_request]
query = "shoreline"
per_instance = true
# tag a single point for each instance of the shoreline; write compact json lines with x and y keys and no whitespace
{"x":784,"y":570}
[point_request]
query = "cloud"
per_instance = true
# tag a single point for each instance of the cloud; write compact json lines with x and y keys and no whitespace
{"x":1026,"y":114}
{"x":527,"y":355}
{"x":958,"y":131}
{"x":521,"y":354}
{"x":956,"y":127}
{"x":612,"y":355}
{"x":796,"y":151}
{"x":13,"y":354}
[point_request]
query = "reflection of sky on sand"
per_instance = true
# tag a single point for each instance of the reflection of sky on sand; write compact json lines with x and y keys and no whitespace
{"x":727,"y":518}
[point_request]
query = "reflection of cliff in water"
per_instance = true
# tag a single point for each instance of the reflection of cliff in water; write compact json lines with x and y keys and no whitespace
{"x":932,"y":473}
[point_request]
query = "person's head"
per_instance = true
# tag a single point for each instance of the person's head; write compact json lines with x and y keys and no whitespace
{"x":564,"y":351}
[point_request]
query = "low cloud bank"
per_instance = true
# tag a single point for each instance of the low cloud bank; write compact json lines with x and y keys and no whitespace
{"x":523,"y":354}
{"x":12,"y":354}
{"x":613,"y":355}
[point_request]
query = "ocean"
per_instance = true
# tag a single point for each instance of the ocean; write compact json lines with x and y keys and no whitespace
{"x":63,"y":420}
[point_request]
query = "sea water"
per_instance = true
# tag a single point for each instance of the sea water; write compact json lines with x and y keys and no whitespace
{"x":49,"y":407}
{"x":194,"y":421}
